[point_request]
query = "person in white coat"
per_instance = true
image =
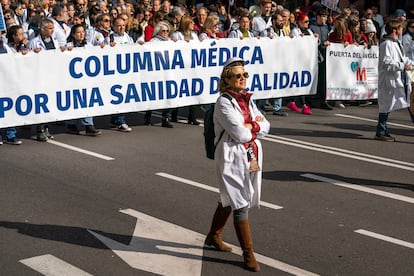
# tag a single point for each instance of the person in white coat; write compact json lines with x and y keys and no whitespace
{"x":408,"y":44}
{"x":394,"y":79}
{"x":238,"y":159}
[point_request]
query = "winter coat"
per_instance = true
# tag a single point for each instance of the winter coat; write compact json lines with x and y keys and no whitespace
{"x":391,"y":91}
{"x":238,"y":187}
{"x":37,"y":42}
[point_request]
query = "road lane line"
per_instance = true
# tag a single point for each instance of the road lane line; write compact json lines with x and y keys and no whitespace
{"x":341,"y":152}
{"x":385,"y":238}
{"x":371,"y":120}
{"x":209,"y":188}
{"x":52,"y":266}
{"x":359,"y":188}
{"x":91,"y":153}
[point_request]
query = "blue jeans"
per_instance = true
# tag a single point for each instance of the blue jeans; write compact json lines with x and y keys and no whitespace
{"x":118,"y":119}
{"x":88,"y":121}
{"x":10,"y":133}
{"x":382,"y":128}
{"x":277,"y":104}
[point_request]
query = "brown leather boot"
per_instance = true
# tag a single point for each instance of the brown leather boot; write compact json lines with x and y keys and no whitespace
{"x":217,"y":226}
{"x":243,"y":234}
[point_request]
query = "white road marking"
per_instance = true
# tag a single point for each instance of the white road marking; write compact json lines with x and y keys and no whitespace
{"x":341,"y":152}
{"x":385,"y":238}
{"x":359,"y":188}
{"x":371,"y":120}
{"x":164,"y":248}
{"x":209,"y":188}
{"x":51,"y":266}
{"x":91,"y":153}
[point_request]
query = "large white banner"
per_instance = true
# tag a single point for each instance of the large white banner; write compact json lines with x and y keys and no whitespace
{"x":351,"y":72}
{"x":55,"y":86}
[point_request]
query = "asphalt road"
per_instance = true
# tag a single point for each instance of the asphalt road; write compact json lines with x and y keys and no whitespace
{"x":335,"y":201}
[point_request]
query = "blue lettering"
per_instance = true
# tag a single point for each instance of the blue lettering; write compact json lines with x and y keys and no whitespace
{"x":257,"y":56}
{"x":5,"y":105}
{"x":161,"y":61}
{"x":214,"y":85}
{"x":95,"y":97}
{"x":146,"y":90}
{"x":88,"y":65}
{"x":59,"y":100}
{"x":295,"y":80}
{"x":256,"y":84}
{"x":197,"y":83}
{"x":107,"y":71}
{"x":142,"y":63}
{"x":41,"y":101}
{"x":132,"y":93}
{"x":172,"y":90}
{"x":127,"y":68}
{"x":306,"y":78}
{"x":116,"y":94}
{"x":184,"y":88}
{"x":266,"y":85}
{"x":284,"y":80}
{"x":198,"y":58}
{"x":177,"y":60}
{"x":29,"y":105}
{"x":72,"y":68}
{"x":79,"y":99}
{"x":212,"y":56}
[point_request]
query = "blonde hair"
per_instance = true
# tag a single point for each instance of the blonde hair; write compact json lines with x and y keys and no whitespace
{"x":226,"y":74}
{"x":211,"y":20}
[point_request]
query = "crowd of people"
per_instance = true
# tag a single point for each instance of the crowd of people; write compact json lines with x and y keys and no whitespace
{"x":41,"y":25}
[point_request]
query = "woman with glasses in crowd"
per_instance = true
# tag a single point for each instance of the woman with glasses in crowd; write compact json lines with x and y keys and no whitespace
{"x":161,"y":33}
{"x":211,"y":28}
{"x":185,"y":32}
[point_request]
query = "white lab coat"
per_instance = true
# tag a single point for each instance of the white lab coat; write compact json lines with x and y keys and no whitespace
{"x":238,"y":187}
{"x":391,"y":91}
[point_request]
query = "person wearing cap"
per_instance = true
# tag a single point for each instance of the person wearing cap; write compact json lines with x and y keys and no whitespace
{"x":400,"y":15}
{"x":238,"y":159}
{"x":370,"y":33}
{"x":394,"y":78}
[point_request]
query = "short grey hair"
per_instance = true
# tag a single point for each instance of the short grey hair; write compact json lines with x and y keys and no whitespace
{"x":158,"y":27}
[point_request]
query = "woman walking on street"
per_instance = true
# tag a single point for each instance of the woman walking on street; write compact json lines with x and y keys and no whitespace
{"x":238,"y":159}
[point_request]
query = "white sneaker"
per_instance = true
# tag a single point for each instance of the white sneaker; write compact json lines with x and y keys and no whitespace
{"x":124,"y":128}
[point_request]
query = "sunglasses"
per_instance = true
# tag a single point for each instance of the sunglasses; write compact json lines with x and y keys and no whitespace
{"x":238,"y":76}
{"x":106,"y":20}
{"x":412,"y":26}
{"x":165,"y":31}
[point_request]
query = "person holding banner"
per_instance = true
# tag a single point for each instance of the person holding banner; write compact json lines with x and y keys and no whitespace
{"x":44,"y":41}
{"x":238,"y":159}
{"x":301,"y":30}
{"x":394,"y":78}
{"x":161,"y":33}
{"x":77,"y":38}
{"x":321,"y":28}
{"x":185,"y":32}
{"x":11,"y":137}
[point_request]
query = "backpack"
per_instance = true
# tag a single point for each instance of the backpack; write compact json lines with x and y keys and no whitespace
{"x":209,"y":134}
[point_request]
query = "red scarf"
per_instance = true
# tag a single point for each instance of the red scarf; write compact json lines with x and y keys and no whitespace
{"x":243,"y":99}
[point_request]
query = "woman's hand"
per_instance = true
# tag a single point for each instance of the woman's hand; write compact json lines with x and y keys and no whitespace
{"x":259,"y":119}
{"x":249,"y":126}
